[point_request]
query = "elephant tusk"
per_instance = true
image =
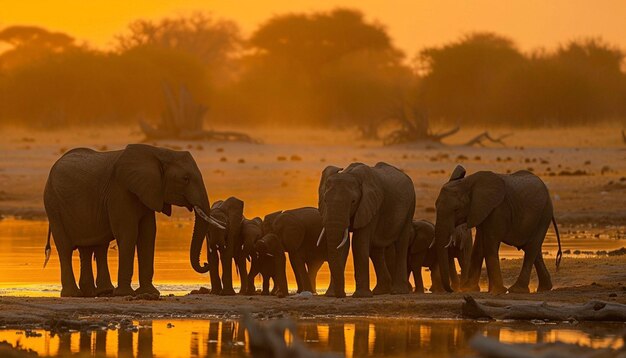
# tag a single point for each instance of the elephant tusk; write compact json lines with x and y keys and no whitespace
{"x":270,"y":255}
{"x":345,"y":239}
{"x":432,"y":243}
{"x":451,"y":242}
{"x":201,"y":213}
{"x":319,"y":239}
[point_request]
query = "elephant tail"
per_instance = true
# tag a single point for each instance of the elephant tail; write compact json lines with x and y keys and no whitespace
{"x":559,"y":253}
{"x":47,"y":250}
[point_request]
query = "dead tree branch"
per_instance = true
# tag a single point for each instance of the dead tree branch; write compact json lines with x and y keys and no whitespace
{"x":183,"y":119}
{"x":590,"y":311}
{"x":485,"y":136}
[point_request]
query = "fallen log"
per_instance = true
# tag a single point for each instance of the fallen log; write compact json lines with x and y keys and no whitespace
{"x":590,"y":311}
{"x":489,"y":347}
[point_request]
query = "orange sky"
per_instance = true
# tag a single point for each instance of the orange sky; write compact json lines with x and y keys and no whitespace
{"x":412,"y":24}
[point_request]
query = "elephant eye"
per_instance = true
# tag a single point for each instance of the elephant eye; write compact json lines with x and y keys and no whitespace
{"x":186,"y":179}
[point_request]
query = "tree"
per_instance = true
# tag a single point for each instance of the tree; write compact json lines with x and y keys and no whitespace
{"x":323,"y":68}
{"x":28,"y":44}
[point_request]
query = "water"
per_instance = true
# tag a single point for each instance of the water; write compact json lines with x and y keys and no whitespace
{"x":352,"y":337}
{"x":21,"y":260}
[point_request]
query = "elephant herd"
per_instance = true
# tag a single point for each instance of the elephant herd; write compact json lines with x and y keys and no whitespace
{"x":92,"y":198}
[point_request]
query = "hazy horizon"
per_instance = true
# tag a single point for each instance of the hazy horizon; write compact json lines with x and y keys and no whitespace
{"x":412,"y":25}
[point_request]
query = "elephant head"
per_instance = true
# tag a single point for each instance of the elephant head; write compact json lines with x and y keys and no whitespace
{"x":230,"y":213}
{"x":251,"y":232}
{"x":463,"y":200}
{"x":271,"y":245}
{"x":161,"y":178}
{"x":348,"y":200}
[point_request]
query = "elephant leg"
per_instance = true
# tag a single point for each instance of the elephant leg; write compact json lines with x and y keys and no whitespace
{"x":145,"y":255}
{"x":254,"y":271}
{"x":454,"y":276}
{"x":545,"y":282}
{"x":383,"y":277}
{"x":126,"y":243}
{"x":68,"y":281}
{"x":361,"y":258}
{"x":435,"y":278}
{"x":266,"y":285}
{"x":214,"y":271}
{"x":475,"y":265}
{"x":399,"y":282}
{"x":104,"y":287}
{"x":299,"y":270}
{"x":86,"y":282}
{"x":313,"y":269}
{"x":492,"y":260}
{"x":243,"y":274}
{"x":280,"y":275}
{"x":416,"y":267}
{"x":532,"y":249}
{"x":227,"y":273}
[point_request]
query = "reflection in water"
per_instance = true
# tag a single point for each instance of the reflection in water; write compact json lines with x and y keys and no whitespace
{"x":350,"y":336}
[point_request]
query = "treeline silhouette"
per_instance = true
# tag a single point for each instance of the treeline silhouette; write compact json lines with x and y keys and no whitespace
{"x":326,"y":68}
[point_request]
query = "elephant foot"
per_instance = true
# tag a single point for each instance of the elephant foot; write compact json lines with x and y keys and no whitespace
{"x":498,"y":290}
{"x":544,"y":288}
{"x":362,"y":293}
{"x":470,"y":288}
{"x":123,"y":291}
{"x":147,"y":289}
{"x":382,"y":289}
{"x":400,"y":290}
{"x":418,"y":290}
{"x":71,"y":292}
{"x":434,"y":289}
{"x":335,"y":294}
{"x":267,"y":293}
{"x":217,"y":291}
{"x":516,"y":288}
{"x":227,"y":292}
{"x":106,"y":290}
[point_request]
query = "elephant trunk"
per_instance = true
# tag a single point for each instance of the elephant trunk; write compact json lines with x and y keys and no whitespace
{"x":442,"y":239}
{"x":337,"y":249}
{"x":200,"y":229}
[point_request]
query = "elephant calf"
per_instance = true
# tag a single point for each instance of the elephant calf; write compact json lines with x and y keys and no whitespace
{"x":297,"y":232}
{"x":262,"y":263}
{"x":423,"y":254}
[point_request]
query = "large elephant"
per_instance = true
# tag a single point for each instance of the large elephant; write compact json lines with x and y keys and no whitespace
{"x":376,"y":204}
{"x":422,"y":253}
{"x":512,"y":208}
{"x":297,"y":232}
{"x":229,"y":243}
{"x":92,"y":198}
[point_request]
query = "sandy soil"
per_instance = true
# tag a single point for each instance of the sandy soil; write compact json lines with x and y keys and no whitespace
{"x":580,"y":280}
{"x":585,"y":168}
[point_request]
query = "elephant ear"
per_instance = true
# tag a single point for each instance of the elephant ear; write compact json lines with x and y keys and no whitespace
{"x":424,"y":234}
{"x":486,"y":193}
{"x":457,"y":173}
{"x":327,"y":172}
{"x":269,"y":244}
{"x":235,"y":218}
{"x":268,"y":222}
{"x":371,"y":196}
{"x":140,"y":170}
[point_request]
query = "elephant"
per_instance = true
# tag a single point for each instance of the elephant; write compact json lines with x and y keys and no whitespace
{"x":512,"y":208}
{"x":262,"y":263}
{"x":297,"y":232}
{"x":377,"y":205}
{"x":92,"y":198}
{"x":423,"y":254}
{"x":229,"y":243}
